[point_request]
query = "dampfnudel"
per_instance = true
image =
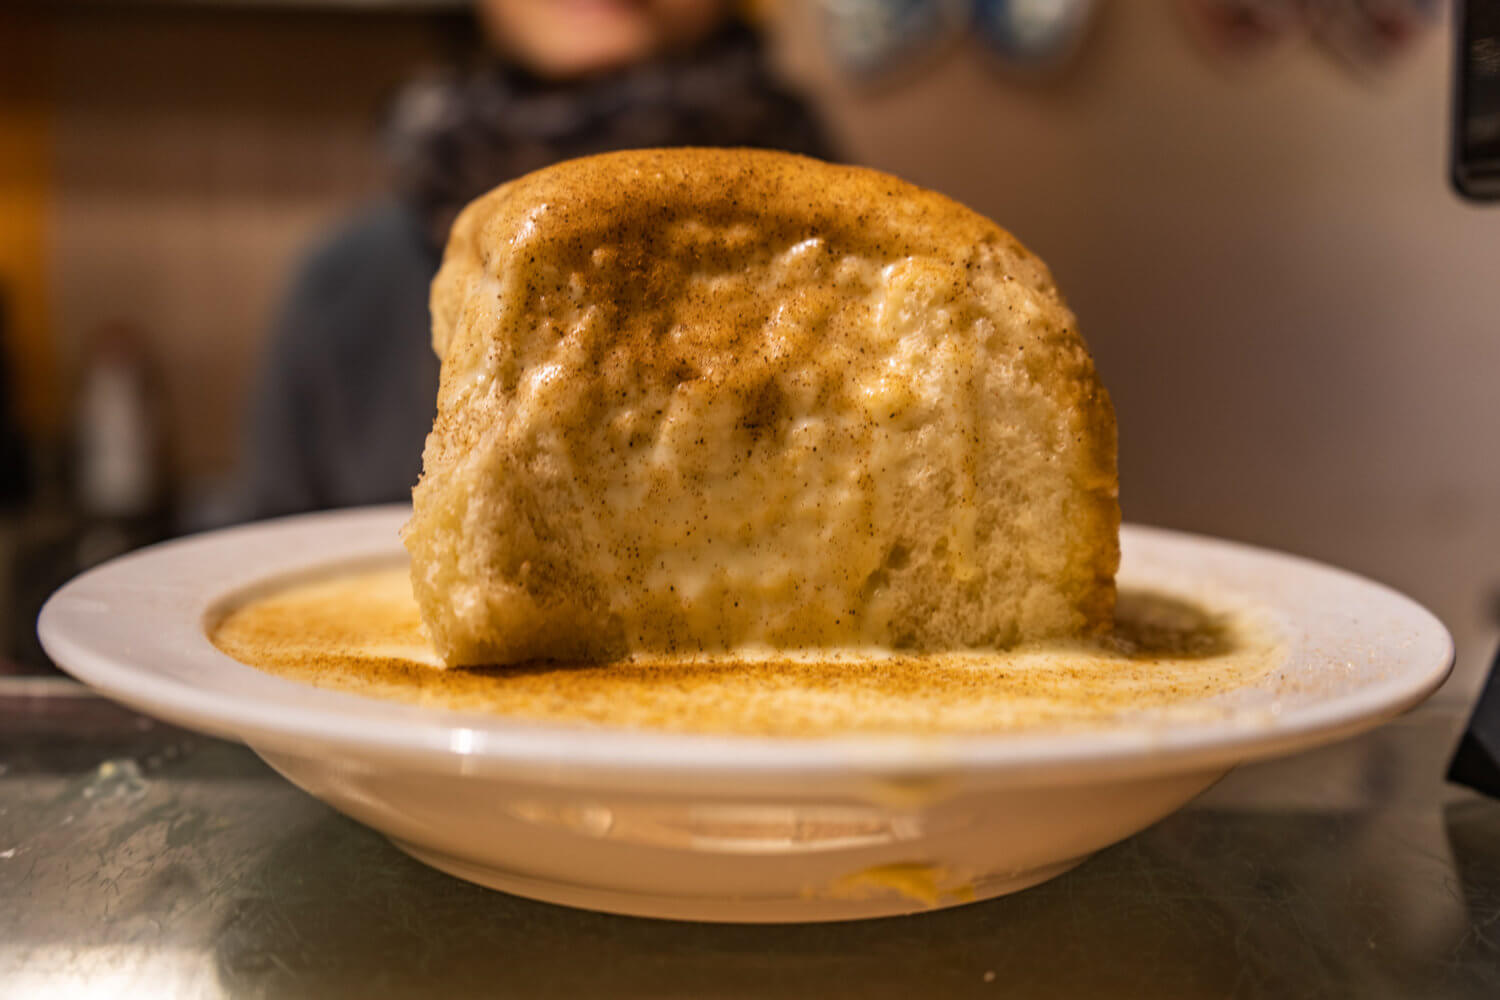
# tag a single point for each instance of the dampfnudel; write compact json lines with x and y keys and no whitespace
{"x":722,"y":400}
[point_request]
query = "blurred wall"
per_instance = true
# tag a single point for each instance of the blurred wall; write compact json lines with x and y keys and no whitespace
{"x":1295,"y":316}
{"x":197,"y":154}
{"x":25,"y":182}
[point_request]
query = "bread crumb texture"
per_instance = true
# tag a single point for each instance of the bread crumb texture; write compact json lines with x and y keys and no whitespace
{"x":705,"y":400}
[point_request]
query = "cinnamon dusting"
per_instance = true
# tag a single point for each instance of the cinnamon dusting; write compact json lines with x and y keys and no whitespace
{"x":361,"y":633}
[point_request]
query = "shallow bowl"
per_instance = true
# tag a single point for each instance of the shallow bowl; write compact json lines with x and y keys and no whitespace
{"x":738,"y":828}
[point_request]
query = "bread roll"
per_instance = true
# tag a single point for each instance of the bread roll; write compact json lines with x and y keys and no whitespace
{"x":724,"y":400}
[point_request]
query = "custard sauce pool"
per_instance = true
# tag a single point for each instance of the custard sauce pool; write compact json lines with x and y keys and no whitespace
{"x":361,"y":633}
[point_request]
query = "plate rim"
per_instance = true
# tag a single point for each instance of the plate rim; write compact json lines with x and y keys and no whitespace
{"x":446,"y":739}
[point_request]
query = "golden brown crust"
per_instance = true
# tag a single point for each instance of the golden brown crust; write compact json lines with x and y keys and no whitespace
{"x":631,"y":199}
{"x":653,"y":330}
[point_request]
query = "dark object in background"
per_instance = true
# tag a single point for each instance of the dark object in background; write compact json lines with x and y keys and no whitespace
{"x":1368,"y":37}
{"x":1235,"y":31}
{"x":878,"y":39}
{"x":15,"y":453}
{"x":118,"y":461}
{"x":1476,"y":99}
{"x":1476,"y":174}
{"x":451,"y":137}
{"x":1029,"y":37}
{"x":102,"y":491}
{"x":1476,"y":762}
{"x":18,"y":529}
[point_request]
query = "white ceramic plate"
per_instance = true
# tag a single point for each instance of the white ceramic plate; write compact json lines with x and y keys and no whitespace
{"x":736,"y":828}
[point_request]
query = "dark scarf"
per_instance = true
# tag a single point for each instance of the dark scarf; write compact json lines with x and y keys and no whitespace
{"x":453,"y":137}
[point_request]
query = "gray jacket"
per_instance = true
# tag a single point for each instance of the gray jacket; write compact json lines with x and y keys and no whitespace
{"x":350,"y":382}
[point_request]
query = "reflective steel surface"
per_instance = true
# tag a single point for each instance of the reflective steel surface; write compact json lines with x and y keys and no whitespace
{"x":140,"y":860}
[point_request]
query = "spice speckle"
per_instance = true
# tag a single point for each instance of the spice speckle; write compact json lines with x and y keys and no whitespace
{"x":361,"y":633}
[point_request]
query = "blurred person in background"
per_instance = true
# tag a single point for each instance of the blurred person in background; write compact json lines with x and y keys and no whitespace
{"x":349,"y":389}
